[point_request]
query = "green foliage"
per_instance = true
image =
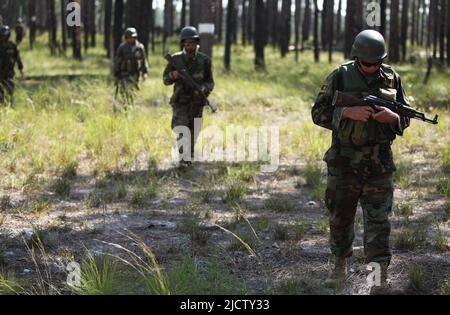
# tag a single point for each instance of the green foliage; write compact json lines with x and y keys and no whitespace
{"x":279,"y":203}
{"x":416,"y":278}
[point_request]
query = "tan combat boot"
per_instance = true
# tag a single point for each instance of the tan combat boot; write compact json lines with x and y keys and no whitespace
{"x":385,"y":288}
{"x":338,"y":273}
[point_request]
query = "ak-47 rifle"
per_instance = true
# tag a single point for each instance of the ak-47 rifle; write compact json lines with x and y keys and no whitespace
{"x":189,"y":81}
{"x":344,"y":100}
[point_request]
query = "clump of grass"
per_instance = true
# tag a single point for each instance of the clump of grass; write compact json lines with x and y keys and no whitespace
{"x":281,"y":232}
{"x":234,"y":192}
{"x":416,"y":278}
{"x":441,"y":241}
{"x":262,"y":223}
{"x":246,"y":240}
{"x":279,"y":203}
{"x":245,"y":171}
{"x":62,"y":187}
{"x":315,"y":179}
{"x":299,"y":232}
{"x":299,"y":285}
{"x":99,"y":276}
{"x":405,"y":209}
{"x":324,"y":226}
{"x":8,"y":284}
{"x":445,"y":288}
{"x":94,"y":199}
{"x":70,"y":170}
{"x":5,"y":203}
{"x":40,"y":207}
{"x":190,"y":277}
{"x":410,"y":237}
{"x":402,"y":176}
{"x":190,"y":224}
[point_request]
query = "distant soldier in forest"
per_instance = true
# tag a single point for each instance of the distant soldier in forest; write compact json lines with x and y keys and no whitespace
{"x":20,"y":31}
{"x":9,"y":57}
{"x":360,"y":160}
{"x":188,"y":102}
{"x":130,"y":65}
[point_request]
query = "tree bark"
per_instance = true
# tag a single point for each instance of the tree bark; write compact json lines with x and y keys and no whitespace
{"x":285,"y":27}
{"x":52,"y":26}
{"x":76,"y":39}
{"x":353,"y":24}
{"x":118,"y":22}
{"x":442,"y":11}
{"x":383,"y":8}
{"x":228,"y":35}
{"x":394,"y":53}
{"x":261,"y":34}
{"x":306,"y":23}
{"x":63,"y":25}
{"x":298,"y":14}
{"x":107,"y":27}
{"x":404,"y":30}
{"x":316,"y":32}
{"x":183,"y":14}
{"x":219,"y":20}
{"x":207,"y":16}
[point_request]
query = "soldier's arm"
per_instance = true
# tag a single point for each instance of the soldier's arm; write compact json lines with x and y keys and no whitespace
{"x":144,"y":68}
{"x":167,"y":77}
{"x":324,"y":114}
{"x":19,"y":59}
{"x":117,"y":61}
{"x":208,"y":83}
{"x":403,"y":122}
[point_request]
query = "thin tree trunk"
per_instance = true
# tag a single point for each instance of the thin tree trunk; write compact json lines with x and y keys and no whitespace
{"x":261,"y":34}
{"x":118,"y":21}
{"x":404,"y":30}
{"x":286,"y":27}
{"x":442,"y":11}
{"x":414,"y":21}
{"x":339,"y":22}
{"x":207,"y":16}
{"x":306,"y":23}
{"x":228,"y":35}
{"x":383,"y":8}
{"x":107,"y":27}
{"x":394,"y":54}
{"x":76,"y":39}
{"x":244,"y":22}
{"x":316,"y":32}
{"x":63,"y":26}
{"x":219,"y":20}
{"x":448,"y":34}
{"x":52,"y":26}
{"x":298,"y":14}
{"x":92,"y":24}
{"x":183,"y":14}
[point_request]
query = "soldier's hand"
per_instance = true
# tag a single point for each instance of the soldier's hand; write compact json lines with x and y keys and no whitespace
{"x":385,"y":116}
{"x":176,"y":75}
{"x":358,"y":113}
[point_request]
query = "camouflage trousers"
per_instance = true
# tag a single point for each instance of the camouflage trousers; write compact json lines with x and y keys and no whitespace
{"x":185,"y":115}
{"x":7,"y":87}
{"x":375,"y":194}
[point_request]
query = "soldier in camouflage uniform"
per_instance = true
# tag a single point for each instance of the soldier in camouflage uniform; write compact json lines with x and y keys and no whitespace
{"x":187,"y":105}
{"x":9,"y":57}
{"x":360,"y":161}
{"x":130,"y":62}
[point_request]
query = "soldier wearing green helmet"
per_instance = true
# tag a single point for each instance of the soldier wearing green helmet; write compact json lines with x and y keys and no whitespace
{"x":9,"y":57}
{"x":187,"y":104}
{"x":130,"y":62}
{"x":360,"y":160}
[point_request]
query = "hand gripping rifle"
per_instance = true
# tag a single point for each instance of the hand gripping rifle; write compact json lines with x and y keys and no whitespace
{"x":344,"y":100}
{"x":189,"y":81}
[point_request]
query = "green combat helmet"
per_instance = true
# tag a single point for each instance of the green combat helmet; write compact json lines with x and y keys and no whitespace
{"x":131,"y":32}
{"x":189,"y":33}
{"x":369,"y":46}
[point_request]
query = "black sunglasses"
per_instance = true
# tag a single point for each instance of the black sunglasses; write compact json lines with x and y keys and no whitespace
{"x":370,"y":64}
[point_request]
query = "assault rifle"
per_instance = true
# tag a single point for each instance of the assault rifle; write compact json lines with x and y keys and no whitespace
{"x":344,"y":100}
{"x":189,"y":81}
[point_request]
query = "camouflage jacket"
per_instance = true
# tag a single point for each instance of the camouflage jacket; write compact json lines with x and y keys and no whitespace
{"x":130,"y":61}
{"x":9,"y":56}
{"x":199,"y":68}
{"x":360,"y":145}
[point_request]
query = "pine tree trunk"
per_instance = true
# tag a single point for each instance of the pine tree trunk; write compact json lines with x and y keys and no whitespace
{"x":316,"y":32}
{"x":64,"y":25}
{"x":448,"y":34}
{"x":244,"y":22}
{"x":383,"y":8}
{"x":207,"y":16}
{"x":219,"y":20}
{"x":339,"y":22}
{"x":404,"y":30}
{"x":183,"y":14}
{"x":442,"y":10}
{"x":32,"y":22}
{"x":394,"y":54}
{"x":107,"y":27}
{"x":228,"y":34}
{"x":145,"y":22}
{"x":92,"y":24}
{"x":285,"y":27}
{"x":261,"y":34}
{"x":76,"y":39}
{"x":414,"y":21}
{"x":306,"y":23}
{"x":118,"y":21}
{"x":298,"y":14}
{"x":52,"y":26}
